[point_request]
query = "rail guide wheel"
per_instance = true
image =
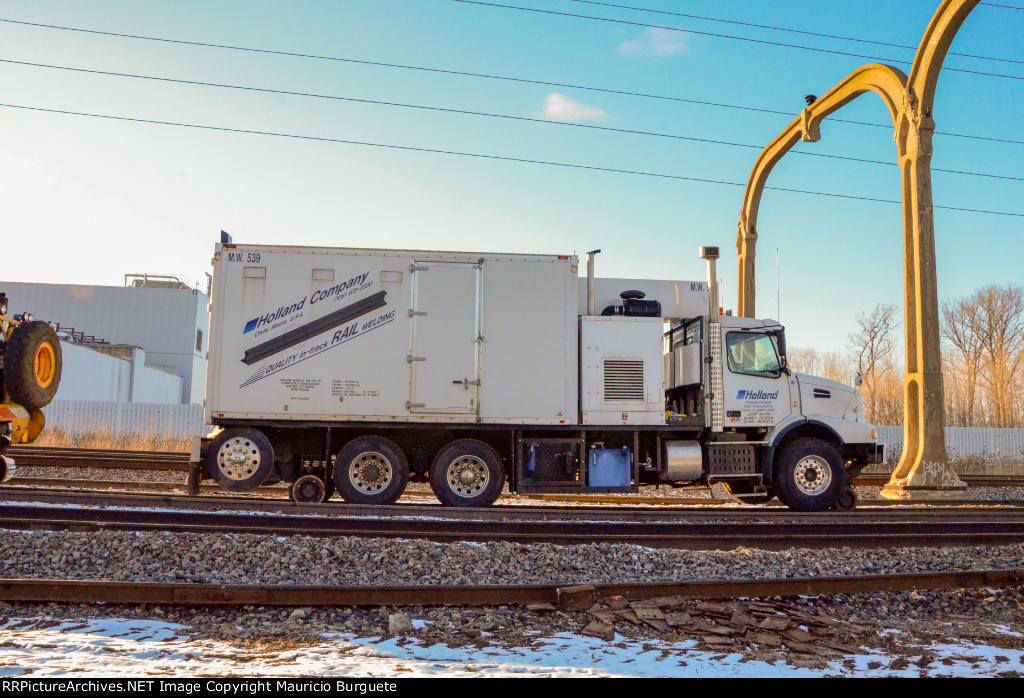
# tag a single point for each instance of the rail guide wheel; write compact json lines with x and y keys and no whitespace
{"x":847,"y":501}
{"x":311,"y":489}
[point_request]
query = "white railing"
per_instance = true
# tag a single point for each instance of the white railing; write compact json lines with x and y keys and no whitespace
{"x":82,"y":416}
{"x":963,"y":443}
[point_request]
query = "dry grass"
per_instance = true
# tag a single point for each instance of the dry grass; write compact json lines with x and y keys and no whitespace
{"x":108,"y":439}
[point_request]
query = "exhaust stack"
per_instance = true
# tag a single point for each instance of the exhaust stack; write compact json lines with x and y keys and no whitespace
{"x":591,"y":310}
{"x":711,"y":254}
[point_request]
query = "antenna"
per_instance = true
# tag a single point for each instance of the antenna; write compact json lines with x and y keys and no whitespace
{"x":778,"y":288}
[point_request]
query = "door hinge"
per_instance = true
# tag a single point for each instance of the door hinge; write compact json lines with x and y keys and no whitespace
{"x":466,"y":382}
{"x":410,"y":359}
{"x":415,"y":313}
{"x":413,"y":405}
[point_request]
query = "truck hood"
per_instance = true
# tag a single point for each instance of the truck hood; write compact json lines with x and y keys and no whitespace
{"x":821,"y":396}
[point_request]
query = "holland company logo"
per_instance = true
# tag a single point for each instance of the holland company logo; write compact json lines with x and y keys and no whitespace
{"x":756,"y":395}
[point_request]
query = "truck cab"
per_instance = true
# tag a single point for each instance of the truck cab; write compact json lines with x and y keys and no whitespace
{"x":769,"y":431}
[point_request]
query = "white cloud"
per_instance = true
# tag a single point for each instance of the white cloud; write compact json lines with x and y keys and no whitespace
{"x":560,"y":108}
{"x":655,"y":42}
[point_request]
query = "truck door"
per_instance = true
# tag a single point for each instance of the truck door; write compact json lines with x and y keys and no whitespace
{"x":444,"y":354}
{"x":756,"y":391}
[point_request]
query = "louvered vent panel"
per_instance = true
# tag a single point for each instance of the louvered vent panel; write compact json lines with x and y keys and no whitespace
{"x":623,"y":381}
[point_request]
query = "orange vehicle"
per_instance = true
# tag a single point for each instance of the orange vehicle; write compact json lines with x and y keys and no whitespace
{"x":30,"y":367}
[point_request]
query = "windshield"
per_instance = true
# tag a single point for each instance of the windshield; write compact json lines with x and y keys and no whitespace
{"x":752,"y":355}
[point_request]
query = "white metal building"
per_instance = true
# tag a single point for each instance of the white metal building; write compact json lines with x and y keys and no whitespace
{"x":154,"y":334}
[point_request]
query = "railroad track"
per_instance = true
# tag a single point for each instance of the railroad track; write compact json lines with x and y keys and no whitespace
{"x":577,"y":597}
{"x":772,"y":529}
{"x":208,"y":489}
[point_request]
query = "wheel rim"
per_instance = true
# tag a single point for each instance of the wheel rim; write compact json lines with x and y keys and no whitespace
{"x":468,"y":476}
{"x":45,"y":365}
{"x":309,"y":489}
{"x":370,"y":472}
{"x":238,"y":458}
{"x":813,"y":475}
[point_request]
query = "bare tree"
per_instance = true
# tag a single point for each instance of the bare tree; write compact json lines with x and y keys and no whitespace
{"x":872,"y":348}
{"x":964,"y":327}
{"x":1002,"y":341}
{"x":827,"y":364}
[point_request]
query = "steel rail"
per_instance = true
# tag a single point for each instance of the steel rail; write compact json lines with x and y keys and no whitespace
{"x":255,"y":504}
{"x":565,"y":597}
{"x":600,"y":503}
{"x":38,"y":456}
{"x":708,"y":533}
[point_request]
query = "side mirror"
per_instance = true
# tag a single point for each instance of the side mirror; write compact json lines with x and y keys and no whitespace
{"x":858,"y":380}
{"x":780,"y":342}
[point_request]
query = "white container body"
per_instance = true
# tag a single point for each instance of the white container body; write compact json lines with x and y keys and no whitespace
{"x":622,"y":370}
{"x":330,"y":334}
{"x":679,"y":299}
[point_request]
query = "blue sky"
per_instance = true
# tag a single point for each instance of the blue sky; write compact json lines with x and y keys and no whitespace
{"x":88,"y":200}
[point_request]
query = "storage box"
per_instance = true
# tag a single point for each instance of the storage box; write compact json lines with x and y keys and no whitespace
{"x":608,"y":467}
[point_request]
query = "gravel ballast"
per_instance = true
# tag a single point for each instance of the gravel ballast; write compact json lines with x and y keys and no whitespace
{"x":254,"y":559}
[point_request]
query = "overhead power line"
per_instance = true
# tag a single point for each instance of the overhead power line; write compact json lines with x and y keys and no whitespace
{"x":766,"y":42}
{"x":482,"y":156}
{"x":451,"y":110}
{"x":788,"y":29}
{"x":485,"y":76}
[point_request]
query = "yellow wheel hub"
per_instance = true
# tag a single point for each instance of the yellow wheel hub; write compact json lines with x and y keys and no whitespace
{"x":45,"y":365}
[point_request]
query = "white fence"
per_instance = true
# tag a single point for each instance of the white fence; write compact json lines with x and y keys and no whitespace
{"x":82,"y":416}
{"x":968,"y":442}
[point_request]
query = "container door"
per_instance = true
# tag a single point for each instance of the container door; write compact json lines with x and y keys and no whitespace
{"x":444,"y":358}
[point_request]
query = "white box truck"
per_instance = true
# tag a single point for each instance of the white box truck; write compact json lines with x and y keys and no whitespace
{"x":357,"y":369}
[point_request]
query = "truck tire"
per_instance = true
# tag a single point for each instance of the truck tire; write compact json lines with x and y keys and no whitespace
{"x":32,"y":364}
{"x":809,"y":475}
{"x":371,"y":470}
{"x":240,"y":459}
{"x":467,"y":473}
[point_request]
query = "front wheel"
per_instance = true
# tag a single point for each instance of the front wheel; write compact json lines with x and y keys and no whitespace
{"x":467,"y":473}
{"x":371,"y":470}
{"x":32,"y":364}
{"x":809,"y":475}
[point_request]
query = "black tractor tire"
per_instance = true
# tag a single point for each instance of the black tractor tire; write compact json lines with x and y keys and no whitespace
{"x":240,"y":459}
{"x":809,"y":475}
{"x":747,"y":488}
{"x":371,"y":470}
{"x":32,"y":364}
{"x":467,"y":473}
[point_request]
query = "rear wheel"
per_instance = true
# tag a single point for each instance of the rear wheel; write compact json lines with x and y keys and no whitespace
{"x":32,"y":364}
{"x":371,"y":470}
{"x":809,"y":475}
{"x":467,"y":473}
{"x":240,"y":459}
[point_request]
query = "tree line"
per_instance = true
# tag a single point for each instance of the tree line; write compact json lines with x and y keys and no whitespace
{"x":982,"y":359}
